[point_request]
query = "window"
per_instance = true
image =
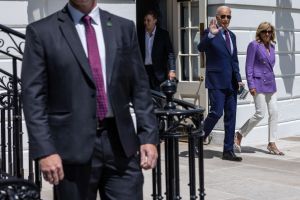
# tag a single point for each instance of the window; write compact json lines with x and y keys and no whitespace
{"x":188,"y":34}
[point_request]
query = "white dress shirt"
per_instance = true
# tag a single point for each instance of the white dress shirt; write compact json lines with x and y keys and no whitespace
{"x":149,"y":39}
{"x":96,"y":23}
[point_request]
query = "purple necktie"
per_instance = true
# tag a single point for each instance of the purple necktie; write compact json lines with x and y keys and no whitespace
{"x":227,"y":40}
{"x":95,"y":64}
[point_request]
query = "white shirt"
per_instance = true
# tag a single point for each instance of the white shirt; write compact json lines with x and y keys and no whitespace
{"x":96,"y":23}
{"x":149,"y":39}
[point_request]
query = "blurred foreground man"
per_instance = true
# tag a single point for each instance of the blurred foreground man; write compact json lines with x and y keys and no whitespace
{"x":82,"y":68}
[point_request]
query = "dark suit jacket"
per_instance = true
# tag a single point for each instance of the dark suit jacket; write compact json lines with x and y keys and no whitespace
{"x":163,"y":58}
{"x":222,"y":67}
{"x":59,"y":91}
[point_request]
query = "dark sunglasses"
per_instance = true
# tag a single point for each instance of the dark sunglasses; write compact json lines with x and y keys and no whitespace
{"x":265,"y":31}
{"x":224,"y":16}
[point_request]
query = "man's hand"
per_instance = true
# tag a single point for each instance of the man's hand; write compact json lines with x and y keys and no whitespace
{"x":241,"y":84}
{"x":253,"y":91}
{"x":148,"y":156}
{"x":52,"y":169}
{"x":172,"y":75}
{"x":213,"y":29}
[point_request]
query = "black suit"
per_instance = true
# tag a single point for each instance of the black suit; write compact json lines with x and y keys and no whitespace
{"x":163,"y":58}
{"x":59,"y":91}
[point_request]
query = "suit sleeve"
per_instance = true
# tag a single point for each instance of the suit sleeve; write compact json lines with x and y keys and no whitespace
{"x":141,"y":96}
{"x":236,"y":62}
{"x":251,"y":51}
{"x":34,"y":95}
{"x":171,"y":55}
{"x":205,"y":41}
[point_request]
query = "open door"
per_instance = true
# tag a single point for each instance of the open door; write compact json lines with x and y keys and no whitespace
{"x":191,"y":19}
{"x":159,"y":6}
{"x":183,"y":19}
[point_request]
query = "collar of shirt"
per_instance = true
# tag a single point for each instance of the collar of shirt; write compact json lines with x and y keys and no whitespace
{"x":224,"y":36}
{"x":77,"y":15}
{"x":153,"y":32}
{"x":223,"y":31}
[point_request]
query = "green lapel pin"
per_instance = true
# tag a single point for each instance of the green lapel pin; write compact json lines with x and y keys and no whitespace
{"x":108,"y":23}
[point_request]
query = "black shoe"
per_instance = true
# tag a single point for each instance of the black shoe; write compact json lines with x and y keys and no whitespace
{"x":230,"y":155}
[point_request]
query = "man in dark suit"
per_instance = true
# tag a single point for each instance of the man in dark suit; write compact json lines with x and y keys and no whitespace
{"x":222,"y":77}
{"x":157,"y":52}
{"x":82,"y":69}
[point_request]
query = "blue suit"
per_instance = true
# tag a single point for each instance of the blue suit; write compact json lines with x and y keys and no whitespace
{"x":222,"y":77}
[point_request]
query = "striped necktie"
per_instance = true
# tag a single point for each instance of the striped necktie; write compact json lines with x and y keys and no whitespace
{"x":227,"y":40}
{"x":95,"y":64}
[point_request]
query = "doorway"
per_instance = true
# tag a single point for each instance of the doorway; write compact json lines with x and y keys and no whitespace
{"x":159,"y":6}
{"x":183,"y":19}
{"x":191,"y":20}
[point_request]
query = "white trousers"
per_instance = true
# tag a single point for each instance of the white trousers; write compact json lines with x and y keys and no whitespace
{"x":263,"y":101}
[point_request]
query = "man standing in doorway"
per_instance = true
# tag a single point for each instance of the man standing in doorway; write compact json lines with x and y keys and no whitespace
{"x":222,"y":77}
{"x":157,"y":52}
{"x":82,"y":69}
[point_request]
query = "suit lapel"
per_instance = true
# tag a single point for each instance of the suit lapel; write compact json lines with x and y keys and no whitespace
{"x":265,"y":55}
{"x":220,"y":35}
{"x":233,"y":43}
{"x":69,"y":31}
{"x":156,"y":41}
{"x":110,"y":43}
{"x":272,"y":55}
{"x":269,"y":56}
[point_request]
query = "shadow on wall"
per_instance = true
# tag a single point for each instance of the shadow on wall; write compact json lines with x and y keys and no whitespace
{"x":42,"y":8}
{"x":286,"y":43}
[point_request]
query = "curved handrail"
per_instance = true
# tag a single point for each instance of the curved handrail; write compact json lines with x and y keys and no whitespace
{"x":16,"y":47}
{"x":8,"y":74}
{"x":184,"y":104}
{"x":11,"y":31}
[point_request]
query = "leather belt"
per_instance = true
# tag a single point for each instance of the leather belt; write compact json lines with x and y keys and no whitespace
{"x":104,"y":122}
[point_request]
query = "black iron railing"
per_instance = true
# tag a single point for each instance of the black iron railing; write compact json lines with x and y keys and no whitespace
{"x":178,"y":120}
{"x":11,"y":131}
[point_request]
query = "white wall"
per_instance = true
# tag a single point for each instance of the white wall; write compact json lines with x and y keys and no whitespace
{"x":284,"y":14}
{"x":20,"y":13}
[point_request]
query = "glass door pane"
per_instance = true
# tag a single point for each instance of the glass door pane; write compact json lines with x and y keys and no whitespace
{"x":188,"y":32}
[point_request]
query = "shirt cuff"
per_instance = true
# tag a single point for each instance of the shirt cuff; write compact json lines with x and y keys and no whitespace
{"x":210,"y":35}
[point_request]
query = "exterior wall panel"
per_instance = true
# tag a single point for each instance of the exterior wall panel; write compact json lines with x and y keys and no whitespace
{"x":247,"y":18}
{"x":13,"y":13}
{"x":297,"y":63}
